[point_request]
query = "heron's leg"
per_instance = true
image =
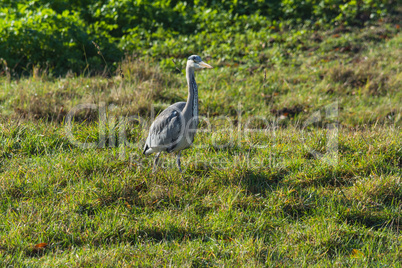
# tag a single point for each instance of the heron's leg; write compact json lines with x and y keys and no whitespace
{"x":156,"y":162}
{"x":178,"y":161}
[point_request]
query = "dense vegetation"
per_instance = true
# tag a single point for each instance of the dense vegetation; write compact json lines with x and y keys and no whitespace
{"x":58,"y":36}
{"x":298,"y":193}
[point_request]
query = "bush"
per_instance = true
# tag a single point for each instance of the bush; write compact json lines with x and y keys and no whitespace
{"x":48,"y":40}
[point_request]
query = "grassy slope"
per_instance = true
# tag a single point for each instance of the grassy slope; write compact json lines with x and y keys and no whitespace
{"x":235,"y":205}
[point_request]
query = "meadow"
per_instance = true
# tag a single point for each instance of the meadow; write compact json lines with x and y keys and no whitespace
{"x":298,"y":161}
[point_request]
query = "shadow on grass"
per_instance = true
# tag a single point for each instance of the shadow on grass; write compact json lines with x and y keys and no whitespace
{"x":256,"y":181}
{"x":374,"y":219}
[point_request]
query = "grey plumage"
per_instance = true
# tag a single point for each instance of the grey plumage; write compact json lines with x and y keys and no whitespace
{"x":173,"y":130}
{"x":165,"y":130}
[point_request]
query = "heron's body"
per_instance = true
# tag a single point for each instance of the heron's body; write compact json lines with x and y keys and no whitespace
{"x":165,"y":132}
{"x":174,"y":129}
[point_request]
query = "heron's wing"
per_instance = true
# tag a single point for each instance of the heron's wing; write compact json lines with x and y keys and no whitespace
{"x":167,"y":128}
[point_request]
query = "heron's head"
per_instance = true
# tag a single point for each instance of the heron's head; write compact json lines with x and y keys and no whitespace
{"x":195,"y":61}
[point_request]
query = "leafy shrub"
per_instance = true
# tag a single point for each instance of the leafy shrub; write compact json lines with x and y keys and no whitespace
{"x":59,"y":42}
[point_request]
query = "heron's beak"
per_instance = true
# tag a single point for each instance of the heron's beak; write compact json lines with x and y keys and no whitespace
{"x":204,"y":65}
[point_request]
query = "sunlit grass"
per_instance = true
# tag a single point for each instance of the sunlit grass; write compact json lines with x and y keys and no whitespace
{"x":272,"y":197}
{"x":234,"y":204}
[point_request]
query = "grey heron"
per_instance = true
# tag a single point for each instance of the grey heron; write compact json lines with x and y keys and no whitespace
{"x":173,"y":130}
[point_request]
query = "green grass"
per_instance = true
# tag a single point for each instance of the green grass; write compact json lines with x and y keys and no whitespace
{"x":245,"y":199}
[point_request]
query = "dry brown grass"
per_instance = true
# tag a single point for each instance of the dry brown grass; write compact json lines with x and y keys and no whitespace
{"x":133,"y":90}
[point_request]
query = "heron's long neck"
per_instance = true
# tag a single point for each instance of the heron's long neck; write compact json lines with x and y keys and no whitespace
{"x":191,"y":108}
